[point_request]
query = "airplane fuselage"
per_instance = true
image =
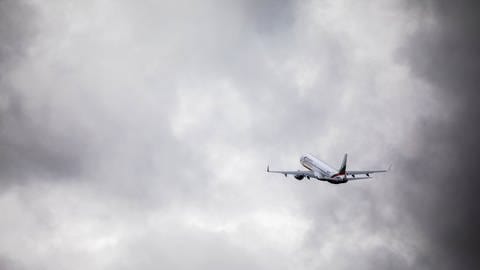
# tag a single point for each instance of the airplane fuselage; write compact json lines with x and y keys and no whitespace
{"x":321,"y":169}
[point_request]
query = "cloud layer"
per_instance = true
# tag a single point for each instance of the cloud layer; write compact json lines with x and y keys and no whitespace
{"x":135,"y":135}
{"x":443,"y":52}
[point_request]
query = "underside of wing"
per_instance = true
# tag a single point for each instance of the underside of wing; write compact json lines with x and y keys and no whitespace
{"x":342,"y":179}
{"x":358,"y":178}
{"x":364,"y":172}
{"x":295,"y":173}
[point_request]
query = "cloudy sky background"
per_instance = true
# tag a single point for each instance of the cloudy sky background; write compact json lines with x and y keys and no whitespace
{"x":135,"y":135}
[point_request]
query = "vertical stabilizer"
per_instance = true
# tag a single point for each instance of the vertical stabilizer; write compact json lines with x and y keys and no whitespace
{"x":343,"y":167}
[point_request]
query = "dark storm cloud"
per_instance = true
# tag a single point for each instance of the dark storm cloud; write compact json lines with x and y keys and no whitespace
{"x":26,"y":144}
{"x":444,"y":184}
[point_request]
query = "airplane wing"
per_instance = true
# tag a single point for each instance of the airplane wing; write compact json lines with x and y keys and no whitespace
{"x":364,"y":172}
{"x":358,"y":178}
{"x":337,"y":179}
{"x":304,"y":173}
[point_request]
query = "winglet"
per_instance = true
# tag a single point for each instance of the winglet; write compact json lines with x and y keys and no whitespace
{"x":389,"y":167}
{"x":268,"y":168}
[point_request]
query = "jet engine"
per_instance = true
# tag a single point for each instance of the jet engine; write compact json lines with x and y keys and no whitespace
{"x":299,"y":177}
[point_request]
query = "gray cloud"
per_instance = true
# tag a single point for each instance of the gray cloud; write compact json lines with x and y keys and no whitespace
{"x":270,"y":16}
{"x":444,"y":53}
{"x":6,"y":264}
{"x":163,"y":115}
{"x":27,"y":145}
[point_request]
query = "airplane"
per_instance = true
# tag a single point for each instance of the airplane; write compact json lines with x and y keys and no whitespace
{"x":319,"y":170}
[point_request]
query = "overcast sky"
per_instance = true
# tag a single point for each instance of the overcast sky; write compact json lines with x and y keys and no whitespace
{"x":135,"y":134}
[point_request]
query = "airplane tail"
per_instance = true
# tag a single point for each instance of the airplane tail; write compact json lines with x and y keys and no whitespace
{"x":343,"y":167}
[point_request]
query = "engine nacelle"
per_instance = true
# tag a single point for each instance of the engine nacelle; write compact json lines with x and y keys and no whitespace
{"x":299,"y":177}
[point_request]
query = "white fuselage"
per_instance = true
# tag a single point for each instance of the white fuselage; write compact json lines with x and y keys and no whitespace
{"x":320,"y":168}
